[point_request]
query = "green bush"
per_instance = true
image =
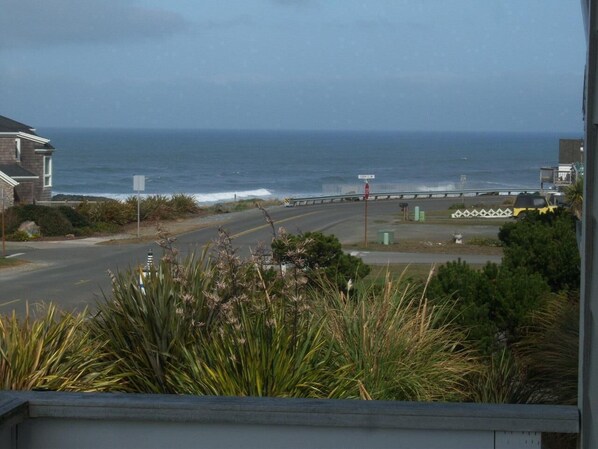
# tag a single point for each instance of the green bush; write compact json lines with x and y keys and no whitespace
{"x":184,"y":204}
{"x":491,"y":304}
{"x":19,"y":236}
{"x":319,"y":256}
{"x":77,"y":219}
{"x":111,"y":211}
{"x":51,"y":221}
{"x":544,"y":244}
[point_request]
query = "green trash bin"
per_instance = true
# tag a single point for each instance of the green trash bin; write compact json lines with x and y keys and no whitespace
{"x":422,"y":216}
{"x":386,"y":237}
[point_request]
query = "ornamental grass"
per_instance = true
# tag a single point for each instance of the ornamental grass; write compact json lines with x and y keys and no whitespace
{"x":389,"y":345}
{"x":51,"y":350}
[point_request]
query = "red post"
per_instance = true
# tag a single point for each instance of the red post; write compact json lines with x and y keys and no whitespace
{"x":365,"y":199}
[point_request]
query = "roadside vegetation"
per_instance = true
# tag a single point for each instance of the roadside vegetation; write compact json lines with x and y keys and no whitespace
{"x":300,"y":319}
{"x":106,"y":216}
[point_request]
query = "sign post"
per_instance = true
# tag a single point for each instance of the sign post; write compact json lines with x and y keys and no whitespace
{"x":138,"y":186}
{"x":366,"y":195}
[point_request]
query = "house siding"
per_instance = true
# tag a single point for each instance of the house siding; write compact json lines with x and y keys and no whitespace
{"x":7,"y":150}
{"x":28,"y":191}
{"x":7,"y":190}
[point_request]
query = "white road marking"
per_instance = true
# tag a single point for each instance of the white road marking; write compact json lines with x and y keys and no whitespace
{"x":15,"y":255}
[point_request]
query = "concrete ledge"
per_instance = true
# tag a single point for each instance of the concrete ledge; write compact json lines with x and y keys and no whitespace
{"x":295,"y":412}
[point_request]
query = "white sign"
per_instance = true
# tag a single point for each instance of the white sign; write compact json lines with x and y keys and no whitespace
{"x":139,"y":183}
{"x":366,"y":176}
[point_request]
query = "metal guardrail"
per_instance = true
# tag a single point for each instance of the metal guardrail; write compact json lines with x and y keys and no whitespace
{"x":304,"y":201}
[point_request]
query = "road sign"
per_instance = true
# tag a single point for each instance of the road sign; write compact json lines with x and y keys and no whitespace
{"x":366,"y":176}
{"x":139,"y":183}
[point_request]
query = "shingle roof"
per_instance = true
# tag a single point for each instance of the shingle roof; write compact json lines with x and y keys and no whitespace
{"x":16,"y":171}
{"x":46,"y":146}
{"x":8,"y":125}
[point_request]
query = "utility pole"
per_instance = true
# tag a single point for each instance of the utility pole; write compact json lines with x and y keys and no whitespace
{"x":366,"y":195}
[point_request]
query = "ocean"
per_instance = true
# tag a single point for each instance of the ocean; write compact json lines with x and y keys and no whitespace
{"x":222,"y":165}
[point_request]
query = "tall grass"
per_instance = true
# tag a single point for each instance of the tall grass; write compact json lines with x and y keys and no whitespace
{"x":52,"y":352}
{"x":388,"y":346}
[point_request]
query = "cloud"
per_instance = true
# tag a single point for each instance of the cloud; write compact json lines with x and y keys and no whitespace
{"x":31,"y":23}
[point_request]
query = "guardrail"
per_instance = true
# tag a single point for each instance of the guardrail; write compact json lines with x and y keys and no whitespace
{"x":304,"y":201}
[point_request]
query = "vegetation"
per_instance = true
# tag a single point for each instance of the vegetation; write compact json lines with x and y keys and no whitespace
{"x":107,"y":216}
{"x":319,"y":256}
{"x":491,"y":304}
{"x":53,"y":352}
{"x":544,"y":244}
{"x":217,"y":324}
{"x":528,"y":334}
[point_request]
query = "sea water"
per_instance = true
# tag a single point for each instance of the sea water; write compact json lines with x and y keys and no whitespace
{"x":223,"y":165}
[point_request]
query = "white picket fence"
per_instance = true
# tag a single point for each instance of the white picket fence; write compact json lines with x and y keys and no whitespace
{"x":483,"y":213}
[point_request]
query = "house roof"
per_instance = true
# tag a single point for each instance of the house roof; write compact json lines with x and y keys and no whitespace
{"x":8,"y":125}
{"x":7,"y":179}
{"x":45,"y":147}
{"x":16,"y":171}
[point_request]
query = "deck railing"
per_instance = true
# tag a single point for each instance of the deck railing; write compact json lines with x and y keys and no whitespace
{"x":32,"y":420}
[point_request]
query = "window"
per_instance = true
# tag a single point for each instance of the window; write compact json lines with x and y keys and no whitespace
{"x":18,"y":150}
{"x":47,"y":171}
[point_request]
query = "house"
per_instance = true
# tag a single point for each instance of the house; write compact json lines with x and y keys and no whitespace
{"x":25,"y":164}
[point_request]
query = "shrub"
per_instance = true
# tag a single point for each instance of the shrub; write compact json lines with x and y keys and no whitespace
{"x":76,"y":219}
{"x":184,"y":204}
{"x":544,"y":244}
{"x":111,"y":211}
{"x":51,"y":221}
{"x":19,"y":236}
{"x":491,"y":304}
{"x":319,"y":256}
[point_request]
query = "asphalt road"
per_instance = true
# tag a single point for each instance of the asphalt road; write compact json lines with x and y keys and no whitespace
{"x":74,"y":273}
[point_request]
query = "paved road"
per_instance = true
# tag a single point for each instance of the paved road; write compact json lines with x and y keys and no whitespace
{"x":74,"y":273}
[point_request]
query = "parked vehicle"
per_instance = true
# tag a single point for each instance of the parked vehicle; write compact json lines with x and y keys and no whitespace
{"x":528,"y":202}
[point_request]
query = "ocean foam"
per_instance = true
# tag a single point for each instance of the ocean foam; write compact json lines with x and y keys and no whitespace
{"x":201,"y":198}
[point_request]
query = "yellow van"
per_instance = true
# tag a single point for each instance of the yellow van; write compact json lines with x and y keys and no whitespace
{"x":528,"y":202}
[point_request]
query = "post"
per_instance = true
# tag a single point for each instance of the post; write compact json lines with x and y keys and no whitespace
{"x":366,"y":195}
{"x":365,"y":199}
{"x":138,"y":213}
{"x":138,"y":185}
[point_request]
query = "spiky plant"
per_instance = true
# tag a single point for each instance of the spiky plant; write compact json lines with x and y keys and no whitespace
{"x":500,"y":380}
{"x":143,"y":327}
{"x":52,"y":351}
{"x":260,"y":353}
{"x":574,"y":196}
{"x":387,"y":347}
{"x":550,"y":348}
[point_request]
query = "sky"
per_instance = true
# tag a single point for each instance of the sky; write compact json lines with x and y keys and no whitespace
{"x":406,"y":65}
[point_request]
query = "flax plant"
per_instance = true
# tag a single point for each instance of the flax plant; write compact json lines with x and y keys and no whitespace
{"x":264,"y":340}
{"x":389,"y":345}
{"x":145,"y":327}
{"x":54,"y":351}
{"x":260,"y":354}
